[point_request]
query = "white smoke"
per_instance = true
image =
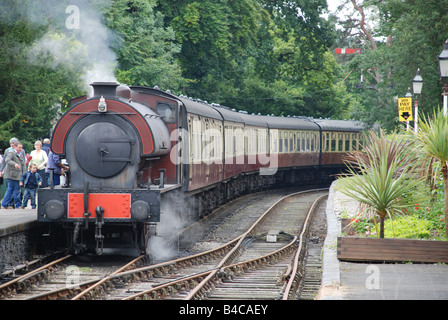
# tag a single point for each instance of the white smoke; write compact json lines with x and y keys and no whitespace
{"x":81,"y":42}
{"x":169,"y":226}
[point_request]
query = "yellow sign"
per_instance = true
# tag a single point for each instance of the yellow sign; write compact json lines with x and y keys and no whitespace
{"x":405,"y":109}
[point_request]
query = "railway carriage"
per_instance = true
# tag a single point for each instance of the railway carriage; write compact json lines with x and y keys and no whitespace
{"x":137,"y":154}
{"x":338,"y":138}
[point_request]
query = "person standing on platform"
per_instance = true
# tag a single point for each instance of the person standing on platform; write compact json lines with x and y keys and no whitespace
{"x":15,"y":166}
{"x":46,"y":146}
{"x":39,"y":158}
{"x":31,"y":180}
{"x":12,"y":141}
{"x":54,"y":163}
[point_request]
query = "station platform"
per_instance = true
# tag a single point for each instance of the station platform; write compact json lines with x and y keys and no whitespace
{"x":375,"y":281}
{"x":15,"y":220}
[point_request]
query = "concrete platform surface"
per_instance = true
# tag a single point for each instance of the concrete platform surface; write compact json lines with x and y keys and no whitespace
{"x":14,"y":220}
{"x":375,"y":281}
{"x":393,"y":281}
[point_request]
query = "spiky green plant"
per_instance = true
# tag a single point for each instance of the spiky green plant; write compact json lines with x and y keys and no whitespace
{"x":432,"y":141}
{"x":381,"y":176}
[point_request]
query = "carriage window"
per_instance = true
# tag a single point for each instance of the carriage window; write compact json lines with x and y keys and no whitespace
{"x":353,"y":137}
{"x":307,"y":142}
{"x":333,"y":142}
{"x":291,"y":142}
{"x":347,"y":142}
{"x":303,"y":142}
{"x":340,"y":142}
{"x":313,"y":139}
{"x":280,"y":142}
{"x":167,"y":111}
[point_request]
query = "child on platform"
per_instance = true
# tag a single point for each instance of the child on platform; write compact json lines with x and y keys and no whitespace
{"x":30,"y":180}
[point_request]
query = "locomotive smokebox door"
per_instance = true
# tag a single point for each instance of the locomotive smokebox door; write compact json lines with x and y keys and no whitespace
{"x":105,"y":149}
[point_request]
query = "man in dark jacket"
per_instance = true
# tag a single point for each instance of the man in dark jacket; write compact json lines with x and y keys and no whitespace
{"x":55,"y":163}
{"x":14,"y":168}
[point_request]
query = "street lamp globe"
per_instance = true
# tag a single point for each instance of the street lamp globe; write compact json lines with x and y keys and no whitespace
{"x":408,"y":94}
{"x":443,"y":60}
{"x":417,"y":83}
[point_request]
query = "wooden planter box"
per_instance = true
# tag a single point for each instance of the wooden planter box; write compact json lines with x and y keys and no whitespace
{"x":392,"y":250}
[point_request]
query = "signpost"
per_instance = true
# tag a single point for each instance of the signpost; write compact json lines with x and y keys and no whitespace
{"x":348,"y":51}
{"x":405,"y":109}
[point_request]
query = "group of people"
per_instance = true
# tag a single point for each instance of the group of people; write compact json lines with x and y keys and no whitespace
{"x":31,"y":171}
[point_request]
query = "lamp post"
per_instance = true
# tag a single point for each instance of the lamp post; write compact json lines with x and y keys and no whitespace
{"x":417,"y":84}
{"x":443,"y":67}
{"x":408,"y":95}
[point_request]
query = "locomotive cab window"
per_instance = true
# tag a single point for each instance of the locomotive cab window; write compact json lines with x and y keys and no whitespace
{"x":167,"y":111}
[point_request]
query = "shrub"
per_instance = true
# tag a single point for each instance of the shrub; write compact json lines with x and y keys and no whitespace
{"x":408,"y":227}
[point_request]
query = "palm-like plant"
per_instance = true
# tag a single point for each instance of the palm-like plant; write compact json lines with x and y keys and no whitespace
{"x":432,"y":140}
{"x":381,"y":176}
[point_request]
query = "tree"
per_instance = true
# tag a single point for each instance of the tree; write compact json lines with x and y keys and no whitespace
{"x":397,"y":37}
{"x":262,"y":57}
{"x":145,"y":48}
{"x":431,"y":139}
{"x":215,"y":39}
{"x":31,"y":89}
{"x":381,"y":176}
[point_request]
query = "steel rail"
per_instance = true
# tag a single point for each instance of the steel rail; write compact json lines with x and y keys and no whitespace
{"x":234,"y":246}
{"x":103,"y":280}
{"x":17,"y":281}
{"x":295,"y":267}
{"x":157,"y":268}
{"x":197,"y":292}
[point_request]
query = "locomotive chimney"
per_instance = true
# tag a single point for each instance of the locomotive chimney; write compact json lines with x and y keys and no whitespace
{"x":105,"y":89}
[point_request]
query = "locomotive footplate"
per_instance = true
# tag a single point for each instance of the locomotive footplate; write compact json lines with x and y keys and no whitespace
{"x":68,"y":205}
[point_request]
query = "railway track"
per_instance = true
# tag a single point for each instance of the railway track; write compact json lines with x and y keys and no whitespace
{"x":65,"y":277}
{"x":241,"y":267}
{"x":246,"y":255}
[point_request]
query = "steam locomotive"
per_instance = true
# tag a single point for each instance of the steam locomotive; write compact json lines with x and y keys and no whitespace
{"x":140,"y":156}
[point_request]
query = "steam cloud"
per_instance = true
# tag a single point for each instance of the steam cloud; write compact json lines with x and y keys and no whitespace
{"x":76,"y":39}
{"x":170,"y":223}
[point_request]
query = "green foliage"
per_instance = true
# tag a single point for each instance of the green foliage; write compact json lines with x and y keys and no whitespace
{"x":262,"y":58}
{"x":31,"y":88}
{"x":407,"y":227}
{"x":408,"y":35}
{"x":380,"y":176}
{"x":145,"y":48}
{"x":431,"y":139}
